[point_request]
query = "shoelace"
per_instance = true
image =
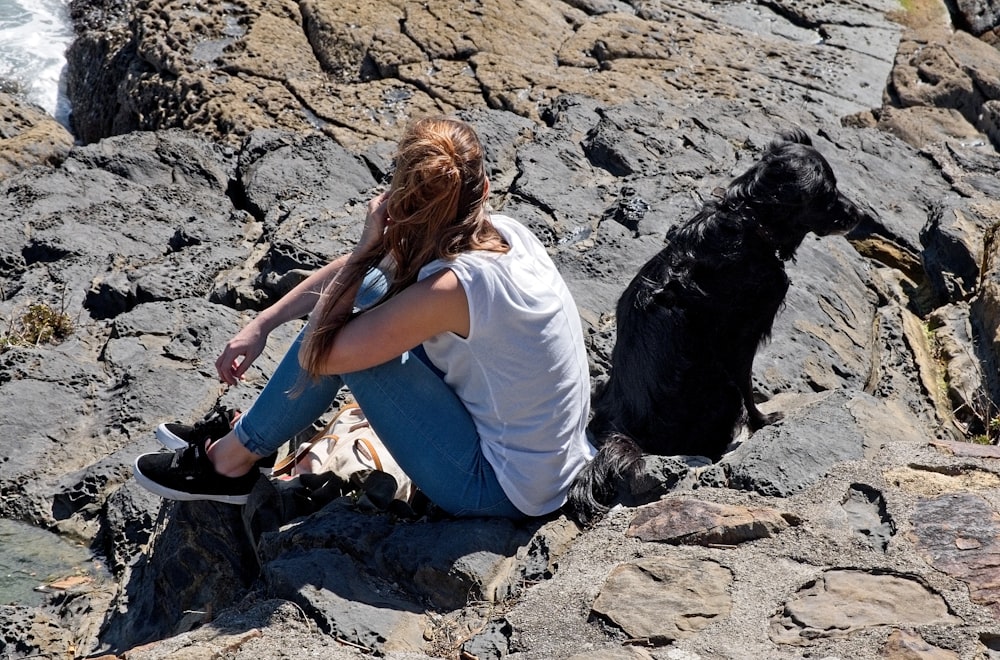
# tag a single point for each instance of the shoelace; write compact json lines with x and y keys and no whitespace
{"x":189,"y":458}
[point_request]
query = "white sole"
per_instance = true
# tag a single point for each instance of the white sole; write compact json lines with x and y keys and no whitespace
{"x":168,"y":439}
{"x":179,"y":495}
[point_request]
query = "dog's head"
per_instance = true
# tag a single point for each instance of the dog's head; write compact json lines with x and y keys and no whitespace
{"x":792,"y":191}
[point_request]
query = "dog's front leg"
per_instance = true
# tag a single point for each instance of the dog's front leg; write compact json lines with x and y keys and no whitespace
{"x":756,"y":420}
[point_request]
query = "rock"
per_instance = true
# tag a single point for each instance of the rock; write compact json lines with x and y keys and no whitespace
{"x":985,"y":312}
{"x":931,"y":481}
{"x":827,"y":429}
{"x":907,"y":645}
{"x":969,"y":449}
{"x":660,"y":600}
{"x":923,"y":126}
{"x":967,"y":386}
{"x":867,"y":513}
{"x":978,"y":15}
{"x":493,"y":642}
{"x":953,"y":247}
{"x":29,"y":136}
{"x":693,"y":522}
{"x":348,"y":604}
{"x":957,"y":72}
{"x":199,"y":563}
{"x":840,"y":602}
{"x":958,"y":534}
{"x":29,"y":631}
{"x":225,"y":71}
{"x":445,"y":563}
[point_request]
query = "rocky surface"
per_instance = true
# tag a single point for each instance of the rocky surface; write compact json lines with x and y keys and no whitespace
{"x":228,"y":148}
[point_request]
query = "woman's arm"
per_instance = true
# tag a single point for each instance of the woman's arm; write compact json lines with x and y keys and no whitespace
{"x":427,"y":308}
{"x":240,"y":351}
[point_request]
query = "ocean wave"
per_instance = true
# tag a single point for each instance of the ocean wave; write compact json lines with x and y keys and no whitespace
{"x":34,"y":35}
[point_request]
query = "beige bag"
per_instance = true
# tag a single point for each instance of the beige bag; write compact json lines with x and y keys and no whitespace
{"x":348,"y":445}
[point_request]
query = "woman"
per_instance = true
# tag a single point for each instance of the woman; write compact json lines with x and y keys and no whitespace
{"x":471,"y":366}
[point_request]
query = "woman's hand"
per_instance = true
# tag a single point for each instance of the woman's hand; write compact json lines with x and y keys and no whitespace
{"x":375,"y":222}
{"x":240,"y":352}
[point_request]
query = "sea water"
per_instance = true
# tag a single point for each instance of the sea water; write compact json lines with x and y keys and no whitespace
{"x":34,"y":35}
{"x":32,"y":559}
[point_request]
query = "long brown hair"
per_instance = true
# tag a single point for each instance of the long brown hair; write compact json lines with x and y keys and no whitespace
{"x":436,"y":209}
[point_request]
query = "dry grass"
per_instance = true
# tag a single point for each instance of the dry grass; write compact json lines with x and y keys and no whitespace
{"x":40,"y":324}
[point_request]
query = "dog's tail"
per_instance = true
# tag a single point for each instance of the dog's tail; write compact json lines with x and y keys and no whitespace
{"x":596,"y":485}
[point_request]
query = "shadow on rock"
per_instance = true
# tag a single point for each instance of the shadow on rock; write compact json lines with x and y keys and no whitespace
{"x":366,"y":578}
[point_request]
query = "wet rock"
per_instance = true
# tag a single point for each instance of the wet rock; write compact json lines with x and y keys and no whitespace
{"x":694,"y":522}
{"x":660,"y":599}
{"x":840,"y":602}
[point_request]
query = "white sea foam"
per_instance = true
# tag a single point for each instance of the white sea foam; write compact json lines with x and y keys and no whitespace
{"x":34,"y":35}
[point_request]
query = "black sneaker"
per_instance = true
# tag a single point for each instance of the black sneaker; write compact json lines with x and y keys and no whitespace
{"x":216,"y":424}
{"x":187,"y":474}
{"x":219,"y":422}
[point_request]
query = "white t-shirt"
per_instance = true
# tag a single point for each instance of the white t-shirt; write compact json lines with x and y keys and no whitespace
{"x":522,"y":372}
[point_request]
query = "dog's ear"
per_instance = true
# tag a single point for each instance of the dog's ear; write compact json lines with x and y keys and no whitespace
{"x":788,"y":175}
{"x":670,"y":294}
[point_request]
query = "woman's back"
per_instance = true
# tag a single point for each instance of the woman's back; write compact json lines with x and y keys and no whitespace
{"x":522,"y":372}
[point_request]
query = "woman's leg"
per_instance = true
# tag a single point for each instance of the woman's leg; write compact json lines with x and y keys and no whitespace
{"x":431,"y":435}
{"x":280,"y":411}
{"x":291,"y":401}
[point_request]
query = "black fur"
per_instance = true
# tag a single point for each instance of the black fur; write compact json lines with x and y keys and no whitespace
{"x":691,"y":321}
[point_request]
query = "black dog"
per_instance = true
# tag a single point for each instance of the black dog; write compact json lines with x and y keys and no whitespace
{"x":691,"y":321}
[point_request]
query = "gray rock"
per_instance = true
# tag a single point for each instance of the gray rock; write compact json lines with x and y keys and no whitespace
{"x":978,"y":15}
{"x":952,"y":240}
{"x":826,"y":430}
{"x":866,"y":510}
{"x":348,"y":603}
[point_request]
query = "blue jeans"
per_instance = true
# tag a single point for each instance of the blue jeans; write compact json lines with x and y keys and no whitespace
{"x":419,"y":418}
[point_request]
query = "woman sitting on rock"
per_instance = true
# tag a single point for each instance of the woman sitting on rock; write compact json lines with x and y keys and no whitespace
{"x":470,"y":367}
